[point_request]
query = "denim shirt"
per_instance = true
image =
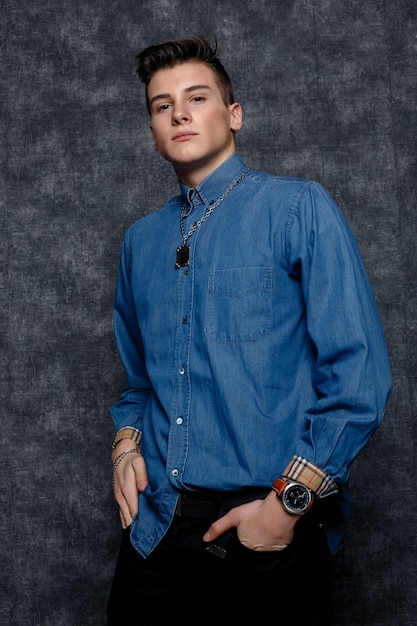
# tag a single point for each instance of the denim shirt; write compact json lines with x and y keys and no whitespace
{"x":268,"y":344}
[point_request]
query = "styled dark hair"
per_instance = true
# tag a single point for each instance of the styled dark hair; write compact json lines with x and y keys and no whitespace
{"x":177,"y":51}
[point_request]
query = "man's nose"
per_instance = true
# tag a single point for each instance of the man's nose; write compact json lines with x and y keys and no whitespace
{"x":180,"y":115}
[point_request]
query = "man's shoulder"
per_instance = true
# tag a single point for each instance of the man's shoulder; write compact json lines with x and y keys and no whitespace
{"x":152,"y":216}
{"x":285,"y":180}
{"x":283,"y":185}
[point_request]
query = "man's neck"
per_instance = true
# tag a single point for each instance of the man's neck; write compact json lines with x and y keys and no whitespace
{"x":193,"y":174}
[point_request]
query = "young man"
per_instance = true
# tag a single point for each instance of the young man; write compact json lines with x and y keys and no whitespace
{"x":256,"y":369}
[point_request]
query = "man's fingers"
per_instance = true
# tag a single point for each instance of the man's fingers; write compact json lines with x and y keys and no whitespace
{"x":126,"y":494}
{"x":220,"y":526}
{"x":125,"y":520}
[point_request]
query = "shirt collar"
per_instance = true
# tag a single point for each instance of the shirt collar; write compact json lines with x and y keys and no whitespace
{"x":215,"y":184}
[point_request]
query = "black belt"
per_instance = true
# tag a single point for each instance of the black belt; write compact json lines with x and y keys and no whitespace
{"x":211,"y":505}
{"x":214,"y":504}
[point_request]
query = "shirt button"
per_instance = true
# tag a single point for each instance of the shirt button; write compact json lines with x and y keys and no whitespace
{"x":184,"y":320}
{"x":182,"y":370}
{"x":186,"y":271}
{"x":175,"y":472}
{"x":179,"y":420}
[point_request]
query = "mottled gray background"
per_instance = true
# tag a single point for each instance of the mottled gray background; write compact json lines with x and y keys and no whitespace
{"x":329,"y":92}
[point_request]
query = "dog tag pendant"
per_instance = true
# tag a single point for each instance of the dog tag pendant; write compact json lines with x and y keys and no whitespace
{"x":183,"y":256}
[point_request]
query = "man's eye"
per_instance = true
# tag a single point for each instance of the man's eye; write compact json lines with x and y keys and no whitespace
{"x":198,"y":98}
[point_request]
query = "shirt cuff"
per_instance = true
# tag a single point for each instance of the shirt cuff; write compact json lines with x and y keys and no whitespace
{"x":308,"y":474}
{"x":127,"y":432}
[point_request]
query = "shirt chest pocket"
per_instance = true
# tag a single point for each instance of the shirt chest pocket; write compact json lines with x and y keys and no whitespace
{"x":239,"y":304}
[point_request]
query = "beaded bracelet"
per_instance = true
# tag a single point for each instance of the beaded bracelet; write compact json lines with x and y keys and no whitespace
{"x":118,"y":460}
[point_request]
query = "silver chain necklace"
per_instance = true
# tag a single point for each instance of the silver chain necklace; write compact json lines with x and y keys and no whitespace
{"x":183,"y":251}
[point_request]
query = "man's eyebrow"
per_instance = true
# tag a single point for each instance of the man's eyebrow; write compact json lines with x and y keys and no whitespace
{"x":196,"y":87}
{"x":164,"y":96}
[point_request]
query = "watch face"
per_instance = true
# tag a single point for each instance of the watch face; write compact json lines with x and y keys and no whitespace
{"x":296,"y":498}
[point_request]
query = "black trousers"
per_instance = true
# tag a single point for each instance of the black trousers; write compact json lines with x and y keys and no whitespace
{"x":182,"y":583}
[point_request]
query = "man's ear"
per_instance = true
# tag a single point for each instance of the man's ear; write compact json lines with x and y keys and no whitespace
{"x":154,"y":139}
{"x":236,"y":116}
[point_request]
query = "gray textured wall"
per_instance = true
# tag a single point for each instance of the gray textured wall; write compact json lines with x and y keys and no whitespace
{"x":329,"y":92}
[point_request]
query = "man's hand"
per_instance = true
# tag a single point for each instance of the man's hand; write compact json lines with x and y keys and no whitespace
{"x":262,"y":525}
{"x":130,"y":478}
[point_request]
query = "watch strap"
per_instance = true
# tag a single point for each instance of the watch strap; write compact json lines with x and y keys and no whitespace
{"x":279,"y":485}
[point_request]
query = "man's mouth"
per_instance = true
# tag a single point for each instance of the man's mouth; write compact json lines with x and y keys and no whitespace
{"x":184,"y":136}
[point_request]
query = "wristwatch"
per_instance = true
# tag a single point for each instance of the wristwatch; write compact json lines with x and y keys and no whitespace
{"x":295,"y":497}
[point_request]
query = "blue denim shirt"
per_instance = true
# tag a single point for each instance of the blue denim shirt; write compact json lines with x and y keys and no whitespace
{"x":268,"y":344}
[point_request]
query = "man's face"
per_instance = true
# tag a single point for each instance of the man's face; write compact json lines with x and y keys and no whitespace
{"x":191,"y":125}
